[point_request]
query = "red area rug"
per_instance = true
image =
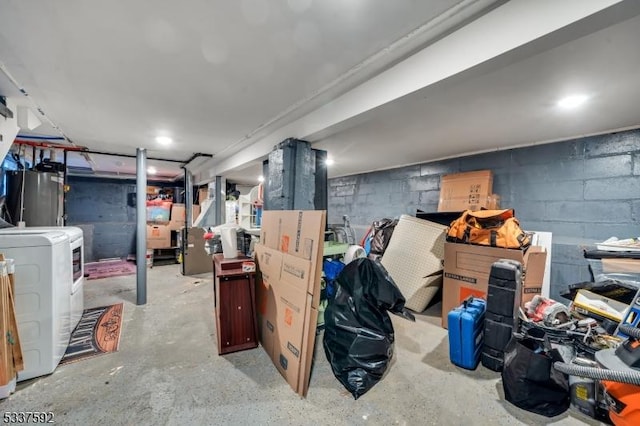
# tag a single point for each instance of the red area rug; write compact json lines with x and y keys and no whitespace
{"x":109,"y":268}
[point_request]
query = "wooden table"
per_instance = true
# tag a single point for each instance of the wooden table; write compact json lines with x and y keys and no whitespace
{"x":235,"y":307}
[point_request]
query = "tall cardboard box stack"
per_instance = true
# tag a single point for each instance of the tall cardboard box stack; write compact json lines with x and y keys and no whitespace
{"x":289,"y":259}
{"x":158,"y":232}
{"x":467,"y":268}
{"x":467,"y":191}
{"x":158,"y":216}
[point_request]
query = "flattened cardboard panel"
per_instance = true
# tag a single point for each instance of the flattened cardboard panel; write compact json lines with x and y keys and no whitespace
{"x":535,"y":266}
{"x":269,"y":262}
{"x":288,"y":365}
{"x":545,"y":240}
{"x":290,"y":315}
{"x":293,"y":231}
{"x":287,"y":296}
{"x":267,"y":330}
{"x":296,"y":271}
{"x":270,"y":229}
{"x":308,"y":349}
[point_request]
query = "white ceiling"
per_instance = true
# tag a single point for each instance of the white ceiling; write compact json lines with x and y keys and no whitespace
{"x":220,"y":76}
{"x":120,"y":167}
{"x":503,"y":106}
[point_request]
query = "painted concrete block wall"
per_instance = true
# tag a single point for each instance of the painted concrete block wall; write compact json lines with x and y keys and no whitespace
{"x":583,"y":190}
{"x":99,"y":207}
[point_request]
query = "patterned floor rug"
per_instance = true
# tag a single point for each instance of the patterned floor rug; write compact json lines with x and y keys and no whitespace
{"x":98,"y":332}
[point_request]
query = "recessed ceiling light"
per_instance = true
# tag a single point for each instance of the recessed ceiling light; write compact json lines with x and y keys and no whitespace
{"x":572,"y":101}
{"x":260,"y":178}
{"x":329,"y":161}
{"x":152,"y":170}
{"x":164,"y":140}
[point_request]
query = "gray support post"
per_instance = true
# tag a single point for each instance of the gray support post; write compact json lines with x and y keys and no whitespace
{"x":219,"y":200}
{"x":265,"y":185}
{"x":321,"y":195}
{"x":141,"y":226}
{"x":64,"y":190}
{"x":188,"y":198}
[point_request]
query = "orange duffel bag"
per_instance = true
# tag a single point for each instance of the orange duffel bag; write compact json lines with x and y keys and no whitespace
{"x":495,"y":228}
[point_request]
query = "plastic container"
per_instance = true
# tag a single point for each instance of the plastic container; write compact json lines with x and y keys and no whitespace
{"x":466,"y":324}
{"x":158,"y":214}
{"x":149,"y":258}
{"x":229,"y":239}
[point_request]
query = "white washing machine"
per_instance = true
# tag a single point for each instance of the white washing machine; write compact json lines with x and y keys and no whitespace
{"x":76,"y":241}
{"x":76,"y":247}
{"x":44,"y":279}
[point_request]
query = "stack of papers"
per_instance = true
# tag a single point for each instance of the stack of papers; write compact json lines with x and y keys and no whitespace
{"x":614,"y":244}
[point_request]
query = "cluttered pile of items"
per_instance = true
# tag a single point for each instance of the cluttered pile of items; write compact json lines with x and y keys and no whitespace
{"x":582,"y":354}
{"x":494,"y":279}
{"x":552,"y":356}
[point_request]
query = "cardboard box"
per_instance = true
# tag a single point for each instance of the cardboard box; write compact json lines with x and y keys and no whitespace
{"x":288,"y":291}
{"x":467,"y":191}
{"x":467,"y":268}
{"x":178,"y":212}
{"x":177,"y":217}
{"x":158,"y":236}
{"x":195,"y":212}
{"x":203,"y":194}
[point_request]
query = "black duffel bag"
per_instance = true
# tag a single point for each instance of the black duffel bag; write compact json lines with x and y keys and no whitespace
{"x":528,"y":378}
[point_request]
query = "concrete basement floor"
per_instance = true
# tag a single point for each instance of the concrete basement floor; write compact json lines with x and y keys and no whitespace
{"x":167,"y":371}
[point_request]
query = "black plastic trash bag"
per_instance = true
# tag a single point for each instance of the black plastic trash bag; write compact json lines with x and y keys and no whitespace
{"x":382,"y":232}
{"x":358,"y":336}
